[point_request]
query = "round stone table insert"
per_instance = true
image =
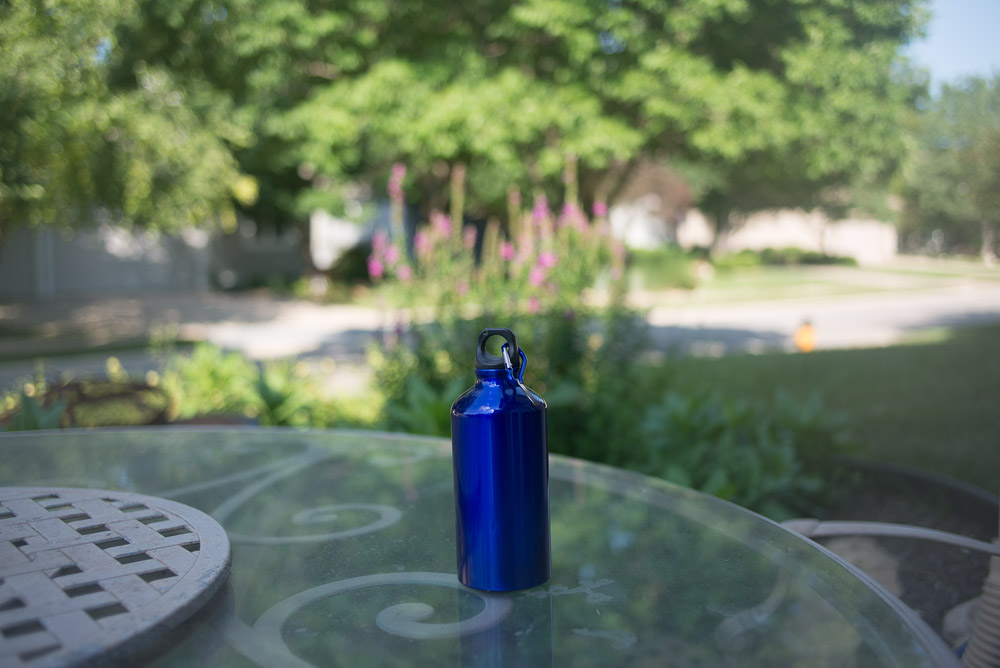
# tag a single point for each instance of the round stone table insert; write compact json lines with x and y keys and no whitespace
{"x":91,"y":575}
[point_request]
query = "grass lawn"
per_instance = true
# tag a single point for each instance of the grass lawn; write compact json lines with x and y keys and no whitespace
{"x":933,"y":405}
{"x":762,"y":283}
{"x":796,"y":282}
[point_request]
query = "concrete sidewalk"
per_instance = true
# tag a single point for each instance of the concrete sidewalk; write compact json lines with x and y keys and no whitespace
{"x":77,"y":336}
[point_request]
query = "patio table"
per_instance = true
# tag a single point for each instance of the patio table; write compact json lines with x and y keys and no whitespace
{"x":343,"y":553}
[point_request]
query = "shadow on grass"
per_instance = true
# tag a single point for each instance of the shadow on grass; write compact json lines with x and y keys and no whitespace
{"x":930,"y":405}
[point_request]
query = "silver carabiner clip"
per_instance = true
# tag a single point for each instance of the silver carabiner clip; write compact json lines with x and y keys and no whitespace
{"x":510,"y":366}
{"x":506,"y":358}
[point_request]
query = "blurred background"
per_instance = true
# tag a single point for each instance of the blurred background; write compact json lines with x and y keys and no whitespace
{"x":737,"y":240}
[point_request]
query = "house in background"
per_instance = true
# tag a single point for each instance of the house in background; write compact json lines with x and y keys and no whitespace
{"x":654,"y":208}
{"x":868,"y":241}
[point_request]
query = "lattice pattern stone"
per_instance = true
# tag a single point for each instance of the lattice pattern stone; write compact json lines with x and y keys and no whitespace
{"x":86,"y":574}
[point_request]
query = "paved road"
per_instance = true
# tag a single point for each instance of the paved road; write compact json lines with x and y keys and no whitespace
{"x":263,"y":327}
{"x":841,"y":322}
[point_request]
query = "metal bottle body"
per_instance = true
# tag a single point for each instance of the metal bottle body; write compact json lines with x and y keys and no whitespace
{"x":501,"y":470}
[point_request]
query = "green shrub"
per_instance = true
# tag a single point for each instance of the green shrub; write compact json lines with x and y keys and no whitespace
{"x":812,"y":257}
{"x":30,"y":413}
{"x":587,"y":365}
{"x":668,"y":267}
{"x":424,"y":410}
{"x":770,"y":462}
{"x":117,"y":400}
{"x":285,"y":396}
{"x":781,"y":256}
{"x":210,"y":381}
{"x":744,"y":259}
{"x":606,"y":405}
{"x":778,"y":257}
{"x":797,"y":256}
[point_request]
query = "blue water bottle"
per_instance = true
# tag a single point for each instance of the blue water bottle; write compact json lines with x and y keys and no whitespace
{"x":501,"y":474}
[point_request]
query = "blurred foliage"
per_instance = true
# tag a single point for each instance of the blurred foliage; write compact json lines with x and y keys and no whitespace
{"x":423,"y":409}
{"x":672,"y":267}
{"x":607,"y":404}
{"x":30,"y":413}
{"x":211,"y":381}
{"x":740,"y":453}
{"x":75,"y":149}
{"x":952,"y":184}
{"x":542,"y":261}
{"x":779,"y":257}
{"x":757,"y":104}
{"x":667,"y":267}
{"x":206,"y":385}
{"x":927,"y":404}
{"x":587,"y":362}
{"x":113,"y":401}
{"x":744,"y":259}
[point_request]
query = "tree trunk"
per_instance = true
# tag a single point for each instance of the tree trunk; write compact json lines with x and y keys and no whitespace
{"x":723,"y":219}
{"x":989,"y":243}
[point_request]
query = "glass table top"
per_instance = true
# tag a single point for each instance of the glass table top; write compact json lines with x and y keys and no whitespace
{"x":343,"y":553}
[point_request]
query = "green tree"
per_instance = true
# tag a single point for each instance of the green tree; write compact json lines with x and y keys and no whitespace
{"x":953,"y":182}
{"x":763,"y":103}
{"x":74,"y":151}
{"x":771,"y":102}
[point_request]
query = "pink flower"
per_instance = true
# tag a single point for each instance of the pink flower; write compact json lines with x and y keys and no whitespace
{"x":441,"y":224}
{"x":462,"y":288}
{"x":379,"y":242}
{"x":391,"y":255}
{"x":537,"y":276}
{"x":469,"y":237}
{"x":572,"y":215}
{"x":541,"y":209}
{"x":404,"y":273}
{"x":421,"y":243}
{"x":600,"y":209}
{"x":533,"y":305}
{"x":507,"y":251}
{"x":375,"y":268}
{"x":396,"y":182}
{"x":547,"y":259}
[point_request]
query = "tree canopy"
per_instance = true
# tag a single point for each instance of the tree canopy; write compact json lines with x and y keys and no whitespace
{"x":760,"y":103}
{"x":953,"y":182}
{"x":74,"y":149}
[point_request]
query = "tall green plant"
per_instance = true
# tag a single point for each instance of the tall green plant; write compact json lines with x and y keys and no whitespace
{"x":541,"y":261}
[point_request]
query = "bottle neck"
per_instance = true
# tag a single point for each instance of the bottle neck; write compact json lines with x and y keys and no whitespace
{"x":491,"y":374}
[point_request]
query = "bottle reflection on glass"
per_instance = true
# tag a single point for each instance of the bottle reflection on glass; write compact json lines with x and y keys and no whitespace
{"x":523,"y":638}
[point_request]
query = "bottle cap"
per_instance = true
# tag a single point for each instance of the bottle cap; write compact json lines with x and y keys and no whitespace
{"x":485,"y":360}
